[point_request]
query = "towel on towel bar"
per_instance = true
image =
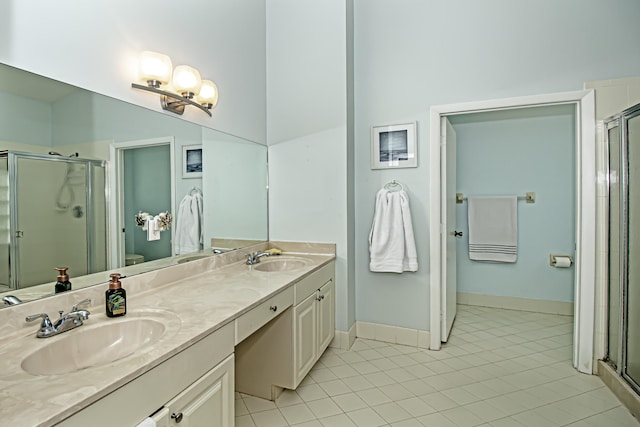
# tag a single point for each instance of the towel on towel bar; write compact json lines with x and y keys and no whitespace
{"x":392,"y":246}
{"x":493,"y":228}
{"x":189,"y":228}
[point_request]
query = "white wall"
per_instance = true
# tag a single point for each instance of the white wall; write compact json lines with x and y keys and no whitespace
{"x":412,"y":54}
{"x":307,"y":132}
{"x":95,"y":45}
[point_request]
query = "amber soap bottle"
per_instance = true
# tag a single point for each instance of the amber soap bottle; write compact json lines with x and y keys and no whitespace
{"x":63,"y":284}
{"x":115,"y":297}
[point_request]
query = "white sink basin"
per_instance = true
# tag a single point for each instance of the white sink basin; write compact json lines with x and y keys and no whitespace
{"x":89,"y":346}
{"x":281,"y":264}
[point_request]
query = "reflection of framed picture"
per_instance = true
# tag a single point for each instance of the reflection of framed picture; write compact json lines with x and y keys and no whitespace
{"x":394,"y":146}
{"x":191,"y":161}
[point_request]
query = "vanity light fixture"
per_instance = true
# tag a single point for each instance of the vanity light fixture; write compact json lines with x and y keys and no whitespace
{"x":184,"y":88}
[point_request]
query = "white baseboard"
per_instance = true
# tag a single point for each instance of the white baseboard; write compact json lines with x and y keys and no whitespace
{"x":392,"y":334}
{"x":344,"y":340}
{"x":513,"y":303}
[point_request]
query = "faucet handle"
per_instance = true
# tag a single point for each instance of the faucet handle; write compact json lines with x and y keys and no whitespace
{"x":86,"y":301}
{"x":46,"y":322}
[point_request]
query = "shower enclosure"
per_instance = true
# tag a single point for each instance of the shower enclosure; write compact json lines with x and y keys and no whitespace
{"x":53,"y":214}
{"x":623,"y":142}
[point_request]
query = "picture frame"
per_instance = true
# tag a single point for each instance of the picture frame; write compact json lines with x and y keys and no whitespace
{"x":394,"y":146}
{"x":192,"y":161}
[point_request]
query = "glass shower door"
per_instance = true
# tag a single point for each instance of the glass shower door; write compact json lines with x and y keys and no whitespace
{"x":50,"y":219}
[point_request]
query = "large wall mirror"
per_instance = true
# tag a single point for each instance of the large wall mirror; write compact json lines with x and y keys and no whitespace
{"x":76,"y":169}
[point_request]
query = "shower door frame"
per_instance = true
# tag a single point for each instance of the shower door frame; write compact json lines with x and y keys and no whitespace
{"x":585,"y":274}
{"x":620,"y":120}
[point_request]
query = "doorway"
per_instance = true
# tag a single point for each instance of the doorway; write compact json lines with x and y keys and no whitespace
{"x":584,"y":282}
{"x":143,"y":181}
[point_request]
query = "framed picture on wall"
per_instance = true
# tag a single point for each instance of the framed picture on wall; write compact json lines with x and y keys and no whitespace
{"x":394,"y":146}
{"x":192,"y":161}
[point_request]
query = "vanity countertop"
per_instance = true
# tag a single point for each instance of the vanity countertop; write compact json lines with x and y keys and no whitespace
{"x":200,"y":296}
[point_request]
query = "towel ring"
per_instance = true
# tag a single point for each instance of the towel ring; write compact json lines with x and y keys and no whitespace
{"x":393,"y":183}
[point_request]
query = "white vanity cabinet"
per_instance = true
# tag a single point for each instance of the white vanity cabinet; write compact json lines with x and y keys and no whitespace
{"x":283,"y":351}
{"x":207,"y":402}
{"x":196,"y":383}
{"x":313,"y":329}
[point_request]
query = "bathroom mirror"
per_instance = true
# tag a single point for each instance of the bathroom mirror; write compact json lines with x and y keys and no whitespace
{"x":39,"y":115}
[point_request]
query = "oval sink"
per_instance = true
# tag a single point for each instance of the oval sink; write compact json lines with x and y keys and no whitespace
{"x":88,"y":346}
{"x":281,"y":264}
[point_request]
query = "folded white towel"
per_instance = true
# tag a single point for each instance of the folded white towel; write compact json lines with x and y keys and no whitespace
{"x":153,"y":229}
{"x":493,"y":228}
{"x":189,"y":228}
{"x":392,"y":245}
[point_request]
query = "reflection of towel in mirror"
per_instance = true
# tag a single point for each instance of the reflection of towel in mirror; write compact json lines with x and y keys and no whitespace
{"x":189,"y":231}
{"x":392,"y":245}
{"x":153,"y":231}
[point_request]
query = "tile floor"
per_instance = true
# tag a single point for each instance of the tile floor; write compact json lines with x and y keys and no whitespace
{"x":500,"y":368}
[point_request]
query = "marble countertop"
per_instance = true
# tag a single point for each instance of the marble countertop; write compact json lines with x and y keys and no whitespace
{"x":200,"y":297}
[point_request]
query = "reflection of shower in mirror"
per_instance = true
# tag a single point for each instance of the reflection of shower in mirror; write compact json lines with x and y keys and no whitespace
{"x":57,"y":217}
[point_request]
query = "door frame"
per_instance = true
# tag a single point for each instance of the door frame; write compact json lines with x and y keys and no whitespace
{"x":116,"y":209}
{"x":585,"y":219}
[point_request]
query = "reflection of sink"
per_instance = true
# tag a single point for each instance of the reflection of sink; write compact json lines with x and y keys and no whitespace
{"x":281,"y":264}
{"x":92,"y":346}
{"x":192,"y":258}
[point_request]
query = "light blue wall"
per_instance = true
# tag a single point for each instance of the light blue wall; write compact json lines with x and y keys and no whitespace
{"x":24,"y":120}
{"x":505,"y":153}
{"x":412,"y":54}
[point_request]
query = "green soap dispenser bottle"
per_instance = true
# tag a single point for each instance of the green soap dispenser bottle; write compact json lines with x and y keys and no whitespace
{"x":115,"y":297}
{"x":63,"y":284}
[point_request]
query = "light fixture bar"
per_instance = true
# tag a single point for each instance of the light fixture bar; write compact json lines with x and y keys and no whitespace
{"x":172,"y":101}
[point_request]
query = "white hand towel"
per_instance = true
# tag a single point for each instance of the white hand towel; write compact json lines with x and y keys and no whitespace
{"x":189,"y":230}
{"x":391,"y":241}
{"x":153,"y":229}
{"x":147,"y":422}
{"x":493,"y":228}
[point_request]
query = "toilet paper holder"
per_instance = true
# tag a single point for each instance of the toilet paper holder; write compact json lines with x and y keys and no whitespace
{"x":555,"y":258}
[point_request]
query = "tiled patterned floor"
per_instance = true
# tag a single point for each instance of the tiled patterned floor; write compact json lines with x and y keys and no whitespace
{"x":500,"y":368}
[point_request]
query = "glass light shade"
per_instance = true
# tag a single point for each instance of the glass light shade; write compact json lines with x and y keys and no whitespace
{"x":155,"y":67}
{"x":186,"y":80}
{"x":208,"y":94}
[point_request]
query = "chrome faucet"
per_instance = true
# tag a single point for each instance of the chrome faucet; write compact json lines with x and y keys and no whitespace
{"x":254,"y":258}
{"x":218,"y":251}
{"x":69,"y":321}
{"x":11,"y":300}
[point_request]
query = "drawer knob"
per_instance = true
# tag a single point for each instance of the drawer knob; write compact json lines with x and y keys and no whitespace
{"x":177,"y":417}
{"x":273,"y":308}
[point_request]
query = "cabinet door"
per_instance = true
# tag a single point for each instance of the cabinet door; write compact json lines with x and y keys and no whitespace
{"x":326,"y":316}
{"x":305,"y":337}
{"x":208,"y":402}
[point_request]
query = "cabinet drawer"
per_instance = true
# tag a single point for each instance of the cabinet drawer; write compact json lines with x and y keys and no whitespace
{"x":312,"y":283}
{"x":250,"y":322}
